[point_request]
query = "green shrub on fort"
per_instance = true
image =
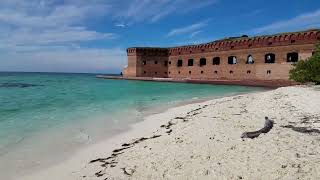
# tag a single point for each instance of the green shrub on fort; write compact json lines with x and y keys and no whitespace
{"x":309,"y":70}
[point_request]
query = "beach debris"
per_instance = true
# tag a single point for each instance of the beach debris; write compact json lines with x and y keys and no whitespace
{"x":128,"y":172}
{"x":169,"y":132}
{"x":99,"y":174}
{"x":305,"y":130}
{"x":99,"y":160}
{"x":253,"y":134}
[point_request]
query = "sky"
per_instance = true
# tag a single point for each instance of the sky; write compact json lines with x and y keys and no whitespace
{"x":91,"y":36}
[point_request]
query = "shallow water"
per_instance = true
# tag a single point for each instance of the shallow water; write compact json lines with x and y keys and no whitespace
{"x":42,"y":113}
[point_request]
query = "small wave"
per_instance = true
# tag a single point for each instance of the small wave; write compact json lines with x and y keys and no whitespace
{"x":18,"y":85}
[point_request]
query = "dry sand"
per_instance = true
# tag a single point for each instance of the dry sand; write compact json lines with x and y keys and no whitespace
{"x":202,"y":141}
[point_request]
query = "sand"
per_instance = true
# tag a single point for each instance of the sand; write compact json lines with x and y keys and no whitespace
{"x":202,"y":141}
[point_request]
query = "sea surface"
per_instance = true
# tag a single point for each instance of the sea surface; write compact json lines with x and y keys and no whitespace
{"x":45,"y":117}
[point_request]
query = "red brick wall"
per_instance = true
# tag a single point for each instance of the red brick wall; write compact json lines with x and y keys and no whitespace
{"x":301,"y":42}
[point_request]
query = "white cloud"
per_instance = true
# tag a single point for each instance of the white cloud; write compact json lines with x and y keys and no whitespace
{"x":190,"y":29}
{"x":195,"y":33}
{"x":302,"y":21}
{"x":152,"y":11}
{"x":65,"y":59}
{"x":120,"y":25}
{"x":46,"y":35}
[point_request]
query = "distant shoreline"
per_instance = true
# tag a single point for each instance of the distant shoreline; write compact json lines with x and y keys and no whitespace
{"x":252,"y":83}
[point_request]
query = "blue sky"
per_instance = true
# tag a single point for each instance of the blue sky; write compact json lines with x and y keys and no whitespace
{"x":92,"y":36}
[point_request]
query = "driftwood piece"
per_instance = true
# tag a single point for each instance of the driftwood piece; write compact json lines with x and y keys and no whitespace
{"x":253,"y":134}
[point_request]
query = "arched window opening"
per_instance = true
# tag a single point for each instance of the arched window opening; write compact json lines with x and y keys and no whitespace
{"x":216,"y":61}
{"x":155,"y":72}
{"x":231,"y":72}
{"x":216,"y":72}
{"x":179,"y":64}
{"x":232,"y":60}
{"x":144,"y":62}
{"x":189,"y":72}
{"x":190,"y":62}
{"x":203,"y":61}
{"x":179,"y":72}
{"x":166,"y":63}
{"x":313,"y":53}
{"x":250,"y":60}
{"x":292,"y":57}
{"x":155,"y":62}
{"x":270,"y":58}
{"x":248,"y":72}
{"x":201,"y":72}
{"x":269,"y":72}
{"x":144,"y":72}
{"x":169,"y":62}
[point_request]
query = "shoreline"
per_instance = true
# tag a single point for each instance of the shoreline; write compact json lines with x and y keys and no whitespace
{"x":78,"y":167}
{"x":42,"y":164}
{"x":275,"y":83}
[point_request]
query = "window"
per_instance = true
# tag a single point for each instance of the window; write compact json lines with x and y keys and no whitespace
{"x":216,"y":61}
{"x":155,"y":72}
{"x":189,"y":72}
{"x":144,"y":72}
{"x":179,"y":64}
{"x":231,"y":72}
{"x":165,"y":73}
{"x":232,"y":60}
{"x":269,"y":72}
{"x":270,"y":58}
{"x":169,"y":62}
{"x":248,"y":72}
{"x":155,"y":62}
{"x":313,"y":53}
{"x":190,"y":62}
{"x":144,"y":62}
{"x":292,"y":57}
{"x":293,"y":41}
{"x":201,"y":72}
{"x":166,"y":63}
{"x":250,"y":60}
{"x":216,"y":72}
{"x":169,"y":72}
{"x":203,"y":61}
{"x":179,"y":72}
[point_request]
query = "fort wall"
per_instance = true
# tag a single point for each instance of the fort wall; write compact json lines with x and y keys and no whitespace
{"x":242,"y":58}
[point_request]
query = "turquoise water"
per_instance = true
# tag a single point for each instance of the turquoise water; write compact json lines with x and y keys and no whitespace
{"x":47,"y":110}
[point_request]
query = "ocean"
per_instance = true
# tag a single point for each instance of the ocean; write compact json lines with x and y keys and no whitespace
{"x":45,"y":117}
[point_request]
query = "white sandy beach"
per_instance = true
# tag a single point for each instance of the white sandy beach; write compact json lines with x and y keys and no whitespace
{"x":202,"y":141}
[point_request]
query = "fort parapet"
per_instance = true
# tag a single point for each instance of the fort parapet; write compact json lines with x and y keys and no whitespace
{"x":258,"y":58}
